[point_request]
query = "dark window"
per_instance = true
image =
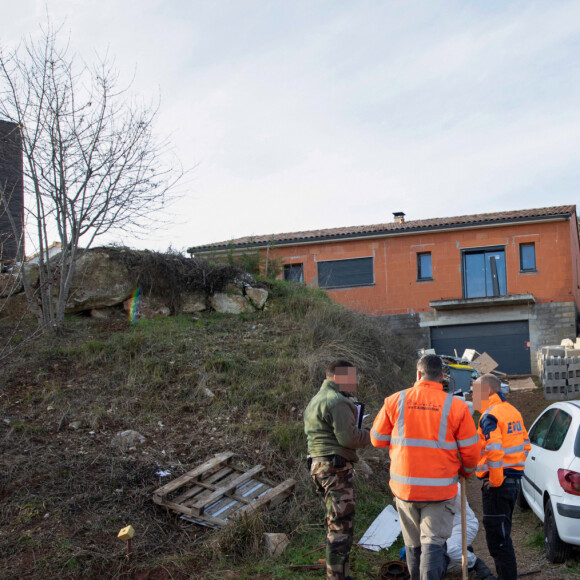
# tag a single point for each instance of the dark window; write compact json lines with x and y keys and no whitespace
{"x":484,"y":273}
{"x":424,"y":271}
{"x":550,"y":430}
{"x":343,"y":273}
{"x":558,"y":430}
{"x":527,"y":257}
{"x":539,"y":431}
{"x":293,"y":272}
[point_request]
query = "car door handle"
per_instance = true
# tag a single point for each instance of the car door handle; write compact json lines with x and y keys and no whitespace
{"x":533,"y":458}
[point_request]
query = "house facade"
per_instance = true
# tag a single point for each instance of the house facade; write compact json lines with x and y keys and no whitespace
{"x":505,"y":283}
{"x":12,"y":190}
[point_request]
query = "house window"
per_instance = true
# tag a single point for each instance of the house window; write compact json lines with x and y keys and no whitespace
{"x":345,"y":273}
{"x":424,"y":271}
{"x":528,"y":257}
{"x":484,"y":273}
{"x":294,"y":272}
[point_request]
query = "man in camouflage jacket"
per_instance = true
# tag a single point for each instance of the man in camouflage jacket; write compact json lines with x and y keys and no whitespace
{"x":331,"y":427}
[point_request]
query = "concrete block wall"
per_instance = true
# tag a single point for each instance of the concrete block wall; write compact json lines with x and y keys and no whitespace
{"x":559,"y":372}
{"x":550,"y":323}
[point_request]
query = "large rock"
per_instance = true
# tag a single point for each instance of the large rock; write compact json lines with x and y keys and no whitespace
{"x":104,"y":313}
{"x":10,"y":283}
{"x":148,"y":307}
{"x":15,"y":307}
{"x":276,"y":544}
{"x":128,"y":440}
{"x":258,"y":296}
{"x":230,"y":303}
{"x":196,"y":302}
{"x":31,"y":273}
{"x":98,"y":282}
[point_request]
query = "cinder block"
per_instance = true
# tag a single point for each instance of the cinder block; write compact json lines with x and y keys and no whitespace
{"x":554,"y":361}
{"x":553,"y":382}
{"x":554,"y":350}
{"x":552,"y":393}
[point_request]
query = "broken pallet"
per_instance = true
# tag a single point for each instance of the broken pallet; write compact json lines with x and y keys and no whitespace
{"x":218,"y":489}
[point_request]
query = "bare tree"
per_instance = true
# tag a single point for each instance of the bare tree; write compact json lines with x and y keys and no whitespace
{"x":91,"y":161}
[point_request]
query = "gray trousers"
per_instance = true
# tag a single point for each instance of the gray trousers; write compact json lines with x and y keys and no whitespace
{"x":426,"y":526}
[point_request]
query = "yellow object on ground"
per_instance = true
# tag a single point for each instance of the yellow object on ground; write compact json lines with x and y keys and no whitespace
{"x":126,"y":533}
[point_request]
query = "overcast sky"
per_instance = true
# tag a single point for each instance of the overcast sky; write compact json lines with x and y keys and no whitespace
{"x":308,"y":114}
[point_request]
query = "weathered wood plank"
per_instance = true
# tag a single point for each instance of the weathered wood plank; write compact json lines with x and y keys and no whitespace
{"x":209,"y":483}
{"x":272,"y":497}
{"x":209,"y":488}
{"x":187,"y":512}
{"x":190,"y":475}
{"x":199,"y":507}
{"x":226,"y":491}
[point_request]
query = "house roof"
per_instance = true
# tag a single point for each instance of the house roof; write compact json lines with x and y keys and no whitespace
{"x":393,"y":228}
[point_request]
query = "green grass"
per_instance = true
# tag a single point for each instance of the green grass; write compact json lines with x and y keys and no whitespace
{"x":535,"y":540}
{"x":193,"y":388}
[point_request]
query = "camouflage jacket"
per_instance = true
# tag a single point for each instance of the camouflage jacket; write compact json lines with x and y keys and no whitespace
{"x":330,"y":424}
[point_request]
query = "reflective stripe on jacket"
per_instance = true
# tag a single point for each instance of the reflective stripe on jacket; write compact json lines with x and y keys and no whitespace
{"x":431,"y":436}
{"x":504,"y":441}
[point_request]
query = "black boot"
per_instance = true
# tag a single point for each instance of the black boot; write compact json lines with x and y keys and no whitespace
{"x":482,"y":570}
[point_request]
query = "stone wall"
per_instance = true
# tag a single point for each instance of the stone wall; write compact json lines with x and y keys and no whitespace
{"x":551,"y":323}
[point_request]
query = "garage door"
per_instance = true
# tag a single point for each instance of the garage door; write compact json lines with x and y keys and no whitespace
{"x":506,"y":342}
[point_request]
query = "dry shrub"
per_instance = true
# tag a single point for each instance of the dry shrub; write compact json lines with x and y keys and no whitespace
{"x":170,"y":275}
{"x":368,"y":342}
{"x":241,"y":537}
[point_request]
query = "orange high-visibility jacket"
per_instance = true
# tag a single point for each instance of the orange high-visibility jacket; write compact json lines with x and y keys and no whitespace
{"x":504,"y":441}
{"x":432,"y":438}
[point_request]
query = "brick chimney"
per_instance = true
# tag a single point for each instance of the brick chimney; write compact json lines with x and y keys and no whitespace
{"x":399,"y":217}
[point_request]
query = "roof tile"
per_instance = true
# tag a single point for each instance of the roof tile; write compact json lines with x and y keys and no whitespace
{"x":391,"y":227}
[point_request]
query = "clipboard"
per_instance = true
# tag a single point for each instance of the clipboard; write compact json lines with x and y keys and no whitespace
{"x":360,"y":412}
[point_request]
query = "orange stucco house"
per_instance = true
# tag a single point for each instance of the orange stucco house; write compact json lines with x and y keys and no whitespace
{"x":505,"y":283}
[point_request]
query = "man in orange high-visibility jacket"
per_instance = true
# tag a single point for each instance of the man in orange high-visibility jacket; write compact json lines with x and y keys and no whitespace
{"x":432,"y":439}
{"x":505,"y":446}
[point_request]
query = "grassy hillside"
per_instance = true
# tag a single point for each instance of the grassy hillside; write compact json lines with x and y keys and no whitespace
{"x":192,"y":387}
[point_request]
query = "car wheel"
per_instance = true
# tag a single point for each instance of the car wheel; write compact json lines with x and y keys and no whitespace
{"x":522,"y":501}
{"x":556,"y":550}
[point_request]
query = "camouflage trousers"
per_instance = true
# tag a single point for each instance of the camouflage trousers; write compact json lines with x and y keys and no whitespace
{"x":335,"y":486}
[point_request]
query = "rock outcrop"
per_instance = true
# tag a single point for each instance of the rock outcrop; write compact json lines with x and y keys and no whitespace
{"x":102,"y":283}
{"x":98,"y":282}
{"x":230,"y":303}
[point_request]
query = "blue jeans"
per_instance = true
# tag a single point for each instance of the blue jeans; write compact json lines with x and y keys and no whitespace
{"x":498,"y":506}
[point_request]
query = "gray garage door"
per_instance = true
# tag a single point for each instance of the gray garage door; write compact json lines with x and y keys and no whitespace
{"x":506,"y":342}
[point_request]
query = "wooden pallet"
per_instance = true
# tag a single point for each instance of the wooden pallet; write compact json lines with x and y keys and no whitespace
{"x":218,"y":490}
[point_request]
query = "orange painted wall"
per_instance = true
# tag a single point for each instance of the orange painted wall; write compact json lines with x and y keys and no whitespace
{"x":397,"y":291}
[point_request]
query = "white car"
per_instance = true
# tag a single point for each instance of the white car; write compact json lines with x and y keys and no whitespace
{"x":551,"y":482}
